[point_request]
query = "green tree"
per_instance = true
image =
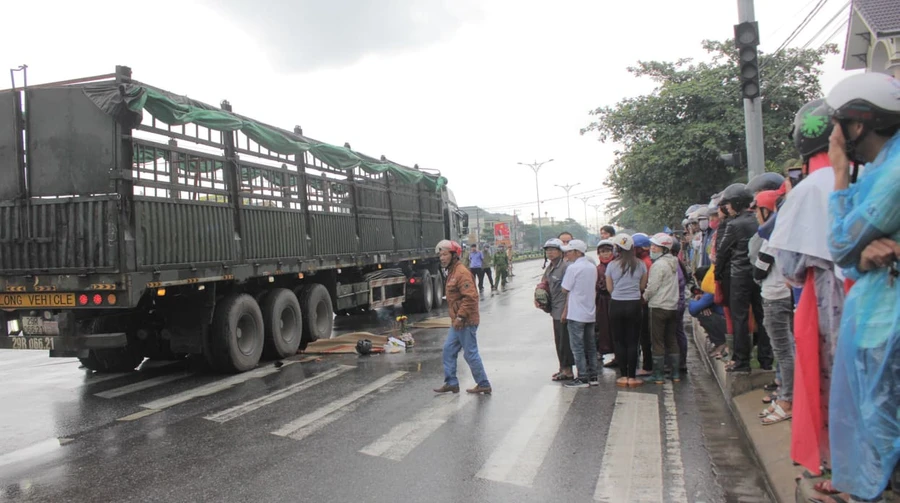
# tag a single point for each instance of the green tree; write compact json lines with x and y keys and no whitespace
{"x":532,"y":239}
{"x":671,"y":139}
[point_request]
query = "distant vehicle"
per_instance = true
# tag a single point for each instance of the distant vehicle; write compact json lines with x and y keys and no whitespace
{"x":138,"y":223}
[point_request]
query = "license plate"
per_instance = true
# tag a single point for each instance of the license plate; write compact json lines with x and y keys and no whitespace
{"x":23,"y":300}
{"x":22,"y":342}
{"x":34,"y":325}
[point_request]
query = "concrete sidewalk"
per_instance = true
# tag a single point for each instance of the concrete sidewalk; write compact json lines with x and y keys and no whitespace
{"x":771,"y":445}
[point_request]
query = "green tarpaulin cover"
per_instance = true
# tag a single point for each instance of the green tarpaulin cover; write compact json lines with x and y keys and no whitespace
{"x":176,"y":111}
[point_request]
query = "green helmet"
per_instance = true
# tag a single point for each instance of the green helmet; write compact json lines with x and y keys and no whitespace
{"x":812,"y":127}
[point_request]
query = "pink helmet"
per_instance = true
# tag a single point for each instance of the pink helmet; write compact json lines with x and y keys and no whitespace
{"x":662,"y":239}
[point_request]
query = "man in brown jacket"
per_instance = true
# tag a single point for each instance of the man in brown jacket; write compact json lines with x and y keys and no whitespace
{"x":462,"y":298}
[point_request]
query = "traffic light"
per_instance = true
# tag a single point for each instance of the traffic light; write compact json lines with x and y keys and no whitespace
{"x":746,"y":38}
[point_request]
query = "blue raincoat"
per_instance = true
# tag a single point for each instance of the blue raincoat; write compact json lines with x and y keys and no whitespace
{"x":865,"y":390}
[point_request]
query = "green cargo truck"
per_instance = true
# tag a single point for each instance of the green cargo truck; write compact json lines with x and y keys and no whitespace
{"x":138,"y":223}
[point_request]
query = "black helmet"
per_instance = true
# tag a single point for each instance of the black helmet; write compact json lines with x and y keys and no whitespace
{"x":766,"y":181}
{"x":738,"y":195}
{"x":364,"y":346}
{"x":812,"y":127}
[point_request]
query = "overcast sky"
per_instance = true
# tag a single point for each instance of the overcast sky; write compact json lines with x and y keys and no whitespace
{"x":468,"y":87}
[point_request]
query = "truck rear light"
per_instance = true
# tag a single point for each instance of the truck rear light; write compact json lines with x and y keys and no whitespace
{"x":82,"y":300}
{"x":111,"y":299}
{"x":412,"y":281}
{"x":98,"y":299}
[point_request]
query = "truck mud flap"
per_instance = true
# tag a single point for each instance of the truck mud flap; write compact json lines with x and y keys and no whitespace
{"x":63,"y":343}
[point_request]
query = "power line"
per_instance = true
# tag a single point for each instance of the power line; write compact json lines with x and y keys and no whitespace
{"x":789,"y":19}
{"x":803,"y":24}
{"x":596,"y":192}
{"x":782,"y":70}
{"x":830,"y":22}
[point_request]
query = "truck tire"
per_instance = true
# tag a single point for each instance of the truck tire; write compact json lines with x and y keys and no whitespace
{"x":237,"y":335}
{"x":421,"y":296}
{"x":438,"y":291}
{"x":283,"y":323}
{"x":114,"y":359}
{"x":318,"y":313}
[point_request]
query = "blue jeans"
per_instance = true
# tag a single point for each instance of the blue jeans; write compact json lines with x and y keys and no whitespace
{"x":584,"y":348}
{"x":466,"y":340}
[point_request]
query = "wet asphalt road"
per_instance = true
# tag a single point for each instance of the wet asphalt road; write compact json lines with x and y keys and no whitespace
{"x":350,"y":428}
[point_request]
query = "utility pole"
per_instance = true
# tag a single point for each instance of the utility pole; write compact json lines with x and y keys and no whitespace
{"x":514,"y":238}
{"x":567,"y":188}
{"x":536,"y":166}
{"x":585,"y":199}
{"x":597,"y":215}
{"x":477,"y":225}
{"x":747,"y":39}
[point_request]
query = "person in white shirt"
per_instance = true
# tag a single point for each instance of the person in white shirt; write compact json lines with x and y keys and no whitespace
{"x":662,"y":300}
{"x":579,"y":284}
{"x":778,"y":306}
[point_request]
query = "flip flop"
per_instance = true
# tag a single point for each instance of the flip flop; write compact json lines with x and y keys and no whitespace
{"x":769,"y":398}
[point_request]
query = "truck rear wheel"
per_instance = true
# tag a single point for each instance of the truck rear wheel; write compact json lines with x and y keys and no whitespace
{"x":421,"y":296}
{"x":318,"y":313}
{"x":438,"y":291}
{"x":283,"y":322}
{"x":237,"y":337}
{"x":113,"y":359}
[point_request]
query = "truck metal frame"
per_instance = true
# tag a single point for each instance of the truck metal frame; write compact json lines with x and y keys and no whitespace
{"x":121,"y":239}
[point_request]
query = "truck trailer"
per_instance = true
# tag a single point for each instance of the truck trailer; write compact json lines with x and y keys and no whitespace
{"x":138,"y":223}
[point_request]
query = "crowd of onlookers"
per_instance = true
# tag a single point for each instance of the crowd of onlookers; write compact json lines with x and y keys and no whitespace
{"x":791,"y":272}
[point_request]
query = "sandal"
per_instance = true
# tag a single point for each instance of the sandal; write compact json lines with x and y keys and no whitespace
{"x":622,"y":381}
{"x":765,"y":412}
{"x":770,"y":398}
{"x":634,"y":383}
{"x":825,"y":486}
{"x":777,"y":416}
{"x":563,"y":377}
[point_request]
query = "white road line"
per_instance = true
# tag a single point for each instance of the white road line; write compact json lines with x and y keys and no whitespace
{"x":247,"y":407}
{"x":674,"y":463}
{"x":309,"y":423}
{"x":406,"y":436}
{"x":32,"y":451}
{"x":205,"y":390}
{"x":142,"y":385}
{"x":520,"y":455}
{"x":632,"y":460}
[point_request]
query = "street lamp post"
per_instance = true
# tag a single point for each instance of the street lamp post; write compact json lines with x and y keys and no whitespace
{"x":597,"y":215}
{"x":567,"y":188}
{"x":536,"y":166}
{"x":585,"y":199}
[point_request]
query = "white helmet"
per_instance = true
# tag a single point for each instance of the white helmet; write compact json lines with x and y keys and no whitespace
{"x":451,"y":246}
{"x":870,"y":98}
{"x":662,"y":239}
{"x":623,"y":241}
{"x":553,"y":243}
